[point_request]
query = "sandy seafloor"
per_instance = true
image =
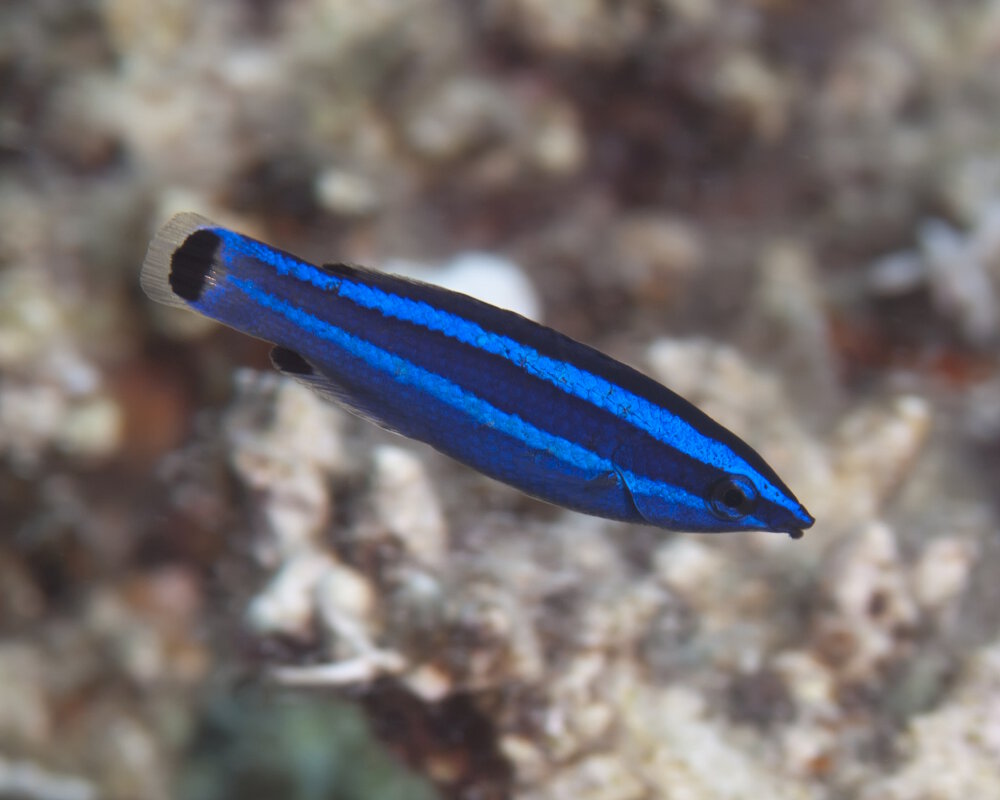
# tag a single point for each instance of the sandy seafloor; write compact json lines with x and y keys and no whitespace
{"x":212,"y":585}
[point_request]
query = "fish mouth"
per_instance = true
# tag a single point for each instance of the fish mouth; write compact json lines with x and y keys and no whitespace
{"x":803,"y":520}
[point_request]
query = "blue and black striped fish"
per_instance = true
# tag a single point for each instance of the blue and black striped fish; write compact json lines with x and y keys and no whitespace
{"x":505,"y":395}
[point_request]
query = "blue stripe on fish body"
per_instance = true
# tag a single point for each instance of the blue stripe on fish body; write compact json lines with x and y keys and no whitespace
{"x":498,"y":381}
{"x":683,"y":428}
{"x":667,"y":418}
{"x":512,"y":398}
{"x":670,"y":427}
{"x":452,"y":406}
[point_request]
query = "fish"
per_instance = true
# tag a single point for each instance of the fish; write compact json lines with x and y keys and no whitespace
{"x":507,"y":396}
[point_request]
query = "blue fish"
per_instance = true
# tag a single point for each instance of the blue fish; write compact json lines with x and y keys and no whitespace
{"x":511,"y":398}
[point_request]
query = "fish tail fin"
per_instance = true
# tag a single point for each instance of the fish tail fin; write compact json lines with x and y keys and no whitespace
{"x":182,"y":260}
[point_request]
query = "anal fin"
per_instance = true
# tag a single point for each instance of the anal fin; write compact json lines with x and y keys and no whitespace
{"x":294,"y":365}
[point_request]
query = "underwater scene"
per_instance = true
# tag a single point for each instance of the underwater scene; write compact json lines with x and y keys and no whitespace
{"x":698,"y":499}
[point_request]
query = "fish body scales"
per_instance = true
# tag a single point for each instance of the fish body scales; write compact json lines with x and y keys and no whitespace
{"x":514,"y":399}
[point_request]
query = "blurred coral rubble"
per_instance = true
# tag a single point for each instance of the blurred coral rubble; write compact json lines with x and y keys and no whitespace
{"x":213,"y":584}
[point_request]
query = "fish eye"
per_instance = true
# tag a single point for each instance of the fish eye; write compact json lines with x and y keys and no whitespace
{"x":733,"y":497}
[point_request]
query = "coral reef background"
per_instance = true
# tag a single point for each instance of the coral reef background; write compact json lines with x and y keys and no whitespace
{"x":213,"y":585}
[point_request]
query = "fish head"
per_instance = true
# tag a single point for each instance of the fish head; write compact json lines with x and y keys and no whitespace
{"x":738,"y":501}
{"x":744,"y":494}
